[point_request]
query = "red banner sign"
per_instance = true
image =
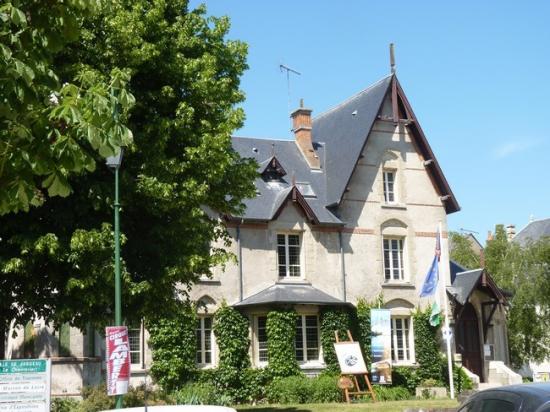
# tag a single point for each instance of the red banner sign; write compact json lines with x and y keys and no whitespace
{"x":118,"y":360}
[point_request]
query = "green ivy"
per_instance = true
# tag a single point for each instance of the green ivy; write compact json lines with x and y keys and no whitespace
{"x":281,"y":333}
{"x":231,"y":331}
{"x":333,"y":319}
{"x":426,"y":344}
{"x":173,"y":343}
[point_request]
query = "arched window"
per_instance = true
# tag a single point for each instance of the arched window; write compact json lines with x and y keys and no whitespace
{"x":402,"y":333}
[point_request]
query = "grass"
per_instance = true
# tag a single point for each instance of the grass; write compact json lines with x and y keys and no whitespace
{"x":396,"y":406}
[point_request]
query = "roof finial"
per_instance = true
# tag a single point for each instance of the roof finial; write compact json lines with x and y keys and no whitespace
{"x":293,"y":178}
{"x":392,"y":58}
{"x":302,"y":103}
{"x":272,"y":149}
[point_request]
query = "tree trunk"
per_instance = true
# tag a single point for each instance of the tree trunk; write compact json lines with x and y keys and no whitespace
{"x":3,"y":341}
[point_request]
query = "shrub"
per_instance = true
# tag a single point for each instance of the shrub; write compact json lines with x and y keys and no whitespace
{"x":391,"y":393}
{"x":406,"y":377}
{"x":333,"y":319}
{"x":94,"y":398}
{"x":196,"y":394}
{"x":142,"y":394}
{"x":300,"y":389}
{"x":281,"y":332}
{"x":64,"y":405}
{"x":173,"y":344}
{"x":462,"y":381}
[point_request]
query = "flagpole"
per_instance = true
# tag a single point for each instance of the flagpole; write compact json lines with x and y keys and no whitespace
{"x":447,"y":335}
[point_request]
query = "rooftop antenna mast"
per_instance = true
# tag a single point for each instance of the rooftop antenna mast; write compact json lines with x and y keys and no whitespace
{"x":392,"y":58}
{"x":288,"y":70}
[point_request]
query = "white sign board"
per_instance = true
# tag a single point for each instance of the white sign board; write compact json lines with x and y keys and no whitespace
{"x":350,"y":358}
{"x":25,"y":385}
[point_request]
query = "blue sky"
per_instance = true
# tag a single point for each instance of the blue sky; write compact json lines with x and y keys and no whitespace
{"x":476,"y":74}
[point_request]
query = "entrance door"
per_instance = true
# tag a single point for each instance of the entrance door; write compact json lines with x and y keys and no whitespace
{"x":467,"y":341}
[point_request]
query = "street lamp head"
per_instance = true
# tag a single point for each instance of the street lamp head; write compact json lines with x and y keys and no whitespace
{"x":114,"y":162}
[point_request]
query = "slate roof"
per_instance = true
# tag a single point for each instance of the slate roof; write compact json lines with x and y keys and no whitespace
{"x":464,"y":284}
{"x":533,"y":232}
{"x":290,"y":293}
{"x":456,"y":269}
{"x":339,"y":136}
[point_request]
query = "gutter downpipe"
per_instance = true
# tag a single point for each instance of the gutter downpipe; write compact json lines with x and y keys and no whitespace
{"x":239,"y":257}
{"x":342,"y":266}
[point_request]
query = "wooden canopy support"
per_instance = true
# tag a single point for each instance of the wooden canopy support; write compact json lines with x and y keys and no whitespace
{"x":356,"y":390}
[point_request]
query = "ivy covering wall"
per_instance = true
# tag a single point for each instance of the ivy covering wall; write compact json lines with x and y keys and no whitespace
{"x":231,"y":331}
{"x":173,"y":344}
{"x":281,"y":333}
{"x":426,"y":344}
{"x":333,"y":319}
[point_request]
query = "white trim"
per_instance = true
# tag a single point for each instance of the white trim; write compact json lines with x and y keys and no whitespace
{"x":256,"y":335}
{"x":402,"y":260}
{"x":288,"y":247}
{"x":202,"y":341}
{"x":386,"y":186}
{"x":309,"y":362}
{"x":408,"y":340}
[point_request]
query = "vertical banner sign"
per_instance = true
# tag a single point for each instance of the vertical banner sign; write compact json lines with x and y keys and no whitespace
{"x":381,"y":346}
{"x":25,"y":385}
{"x":118,"y":360}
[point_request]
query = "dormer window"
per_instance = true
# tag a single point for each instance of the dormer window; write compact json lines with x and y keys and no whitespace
{"x":272,"y":170}
{"x":305,"y":189}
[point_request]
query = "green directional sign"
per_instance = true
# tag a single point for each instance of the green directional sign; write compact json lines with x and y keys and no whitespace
{"x":23,"y":366}
{"x":25,"y":385}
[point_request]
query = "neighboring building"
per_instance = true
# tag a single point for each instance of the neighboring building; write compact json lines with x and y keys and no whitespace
{"x":347,"y":210}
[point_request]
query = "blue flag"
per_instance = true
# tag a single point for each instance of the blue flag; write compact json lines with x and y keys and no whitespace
{"x":430,"y":283}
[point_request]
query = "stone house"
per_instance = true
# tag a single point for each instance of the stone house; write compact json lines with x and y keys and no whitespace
{"x":348,"y":209}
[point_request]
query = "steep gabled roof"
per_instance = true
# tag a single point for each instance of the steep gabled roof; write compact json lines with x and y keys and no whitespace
{"x":339,"y":138}
{"x":344,"y":130}
{"x":466,"y":282}
{"x":533,"y":232}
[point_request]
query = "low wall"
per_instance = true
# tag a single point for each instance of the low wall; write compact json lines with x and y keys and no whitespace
{"x":70,"y":375}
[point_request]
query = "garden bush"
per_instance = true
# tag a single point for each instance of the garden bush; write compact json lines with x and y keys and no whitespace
{"x":392,"y":393}
{"x":406,"y":377}
{"x":301,"y":389}
{"x":64,"y":405}
{"x":462,"y":381}
{"x":196,"y":394}
{"x":426,"y":343}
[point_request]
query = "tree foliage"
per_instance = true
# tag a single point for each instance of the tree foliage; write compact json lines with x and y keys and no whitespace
{"x":50,"y":127}
{"x":525,"y":272}
{"x":56,"y":260}
{"x":461,"y":251}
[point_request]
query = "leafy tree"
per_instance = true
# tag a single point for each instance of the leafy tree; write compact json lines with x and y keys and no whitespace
{"x":525,"y":272}
{"x":461,"y":251}
{"x":49,"y":129}
{"x":56,"y":260}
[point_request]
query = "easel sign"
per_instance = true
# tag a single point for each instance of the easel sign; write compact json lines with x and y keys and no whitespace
{"x":350,"y":358}
{"x":352,"y":365}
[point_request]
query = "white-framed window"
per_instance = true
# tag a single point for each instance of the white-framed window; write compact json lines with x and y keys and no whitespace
{"x":307,"y":338}
{"x":261,"y":340}
{"x":402,"y":344}
{"x":204,"y":341}
{"x":288,"y":255}
{"x":134,"y":340}
{"x":394,"y":265}
{"x":390,"y":195}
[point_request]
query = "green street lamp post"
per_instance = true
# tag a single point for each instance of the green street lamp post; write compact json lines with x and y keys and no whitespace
{"x":114,"y":163}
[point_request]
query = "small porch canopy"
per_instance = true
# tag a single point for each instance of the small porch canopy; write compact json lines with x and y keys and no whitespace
{"x":291,"y":293}
{"x":466,"y":282}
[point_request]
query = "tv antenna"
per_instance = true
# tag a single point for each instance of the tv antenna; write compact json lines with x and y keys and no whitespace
{"x":468,"y":231}
{"x":288,"y":70}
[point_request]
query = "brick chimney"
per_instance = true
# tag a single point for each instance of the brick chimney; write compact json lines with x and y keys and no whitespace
{"x":301,"y":126}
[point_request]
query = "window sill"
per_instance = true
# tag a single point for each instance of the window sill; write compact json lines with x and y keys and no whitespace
{"x":206,"y":281}
{"x":293,"y":281}
{"x":398,"y":285}
{"x":312,"y":365}
{"x":398,"y":206}
{"x":205,"y":366}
